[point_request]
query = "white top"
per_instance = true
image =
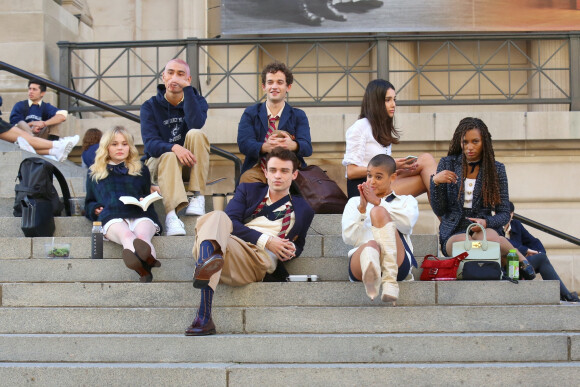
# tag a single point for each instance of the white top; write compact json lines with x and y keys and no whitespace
{"x":469,"y":186}
{"x":356,"y":227}
{"x":361,"y":146}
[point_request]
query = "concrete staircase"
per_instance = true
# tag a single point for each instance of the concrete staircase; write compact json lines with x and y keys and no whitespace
{"x":78,"y":321}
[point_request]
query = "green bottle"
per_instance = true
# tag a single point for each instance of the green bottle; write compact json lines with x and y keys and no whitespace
{"x":513,"y":264}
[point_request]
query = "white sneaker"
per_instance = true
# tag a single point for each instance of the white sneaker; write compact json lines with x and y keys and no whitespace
{"x":196,"y":206}
{"x":25,"y":145}
{"x":64,"y":146}
{"x":174,"y":226}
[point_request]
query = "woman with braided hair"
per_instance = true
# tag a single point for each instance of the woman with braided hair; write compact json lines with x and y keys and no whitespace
{"x":471,"y":187}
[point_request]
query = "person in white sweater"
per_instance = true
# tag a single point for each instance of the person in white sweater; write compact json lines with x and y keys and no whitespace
{"x":378,"y":223}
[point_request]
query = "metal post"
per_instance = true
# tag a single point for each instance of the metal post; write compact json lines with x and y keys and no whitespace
{"x":575,"y":73}
{"x":383,"y":59}
{"x":64,"y":100}
{"x":192,"y":59}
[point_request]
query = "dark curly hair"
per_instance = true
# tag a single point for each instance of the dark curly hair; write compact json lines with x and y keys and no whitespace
{"x":373,"y":109}
{"x":273,"y":68}
{"x":488,"y":171}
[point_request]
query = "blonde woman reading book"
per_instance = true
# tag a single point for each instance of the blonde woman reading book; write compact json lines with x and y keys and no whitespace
{"x":117,"y":172}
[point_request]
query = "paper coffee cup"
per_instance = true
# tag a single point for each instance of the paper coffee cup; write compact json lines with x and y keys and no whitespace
{"x":219,"y":202}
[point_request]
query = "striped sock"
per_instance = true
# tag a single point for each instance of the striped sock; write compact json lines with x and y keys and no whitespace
{"x":204,"y":311}
{"x":205,"y":250}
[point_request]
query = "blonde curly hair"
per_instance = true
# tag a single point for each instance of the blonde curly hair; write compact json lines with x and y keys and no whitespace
{"x":99,"y":168}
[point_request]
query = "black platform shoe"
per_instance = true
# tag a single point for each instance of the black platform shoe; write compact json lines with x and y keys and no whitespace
{"x":526,"y":270}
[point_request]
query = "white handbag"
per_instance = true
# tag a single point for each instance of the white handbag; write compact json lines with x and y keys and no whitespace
{"x":477,"y":250}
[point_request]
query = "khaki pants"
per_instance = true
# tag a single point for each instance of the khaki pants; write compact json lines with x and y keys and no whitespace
{"x":44,"y":133}
{"x":254,"y":175}
{"x":244,"y":263}
{"x":169,"y":173}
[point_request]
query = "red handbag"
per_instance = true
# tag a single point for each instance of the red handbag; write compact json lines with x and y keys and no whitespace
{"x":441,"y":269}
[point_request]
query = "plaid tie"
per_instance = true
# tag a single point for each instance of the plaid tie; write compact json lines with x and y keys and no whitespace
{"x":286,"y":221}
{"x":271,"y":129}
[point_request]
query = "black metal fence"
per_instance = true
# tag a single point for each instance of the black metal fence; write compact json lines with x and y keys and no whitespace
{"x":490,"y":69}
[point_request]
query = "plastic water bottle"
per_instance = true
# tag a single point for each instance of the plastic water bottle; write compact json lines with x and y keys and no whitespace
{"x":513,"y":263}
{"x":97,"y":241}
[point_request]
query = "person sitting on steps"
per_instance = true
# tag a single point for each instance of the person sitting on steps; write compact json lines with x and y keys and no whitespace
{"x":57,"y":150}
{"x":262,"y":227}
{"x":470,"y":186}
{"x":534,"y":251}
{"x":379,"y":224}
{"x":175,"y":146}
{"x":35,"y":116}
{"x":117,"y":172}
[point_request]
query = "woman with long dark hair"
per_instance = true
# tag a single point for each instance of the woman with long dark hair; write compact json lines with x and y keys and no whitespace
{"x":470,"y":186}
{"x":374,"y":133}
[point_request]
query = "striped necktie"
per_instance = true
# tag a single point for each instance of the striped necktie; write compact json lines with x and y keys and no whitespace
{"x":271,"y":129}
{"x":260,"y":206}
{"x":286,"y":221}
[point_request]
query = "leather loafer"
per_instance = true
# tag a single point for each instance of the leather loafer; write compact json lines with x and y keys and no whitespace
{"x":143,"y":251}
{"x":196,"y":329}
{"x":205,"y":269}
{"x":132,"y":261}
{"x":526,"y":270}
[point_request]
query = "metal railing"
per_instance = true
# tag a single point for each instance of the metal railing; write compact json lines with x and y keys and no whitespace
{"x":443,"y":69}
{"x":547,"y":229}
{"x":103,"y":106}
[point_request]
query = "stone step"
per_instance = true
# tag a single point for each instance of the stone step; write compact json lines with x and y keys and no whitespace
{"x":297,"y":348}
{"x":181,"y":246}
{"x":77,"y":226}
{"x":292,"y":319}
{"x":264,"y":294}
{"x":172,"y":270}
{"x":268,"y":374}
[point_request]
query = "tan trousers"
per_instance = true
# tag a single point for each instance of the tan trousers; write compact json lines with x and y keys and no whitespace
{"x":169,"y":173}
{"x":244,"y":263}
{"x":44,"y":133}
{"x":254,"y":175}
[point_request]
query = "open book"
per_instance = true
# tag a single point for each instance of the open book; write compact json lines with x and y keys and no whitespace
{"x":145,"y":203}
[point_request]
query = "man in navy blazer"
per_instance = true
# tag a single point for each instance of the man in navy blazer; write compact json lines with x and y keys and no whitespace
{"x":262,"y":227}
{"x":272,"y":124}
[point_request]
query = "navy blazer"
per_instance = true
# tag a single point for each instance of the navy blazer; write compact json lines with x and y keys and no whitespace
{"x":248,"y":196}
{"x":253,"y":127}
{"x":522,"y":240}
{"x":448,"y":204}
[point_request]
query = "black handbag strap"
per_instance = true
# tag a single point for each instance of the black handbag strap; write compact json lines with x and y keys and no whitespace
{"x":64,"y":188}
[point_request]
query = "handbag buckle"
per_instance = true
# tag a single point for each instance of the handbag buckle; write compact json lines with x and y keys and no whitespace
{"x":433,"y":271}
{"x":476,"y":244}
